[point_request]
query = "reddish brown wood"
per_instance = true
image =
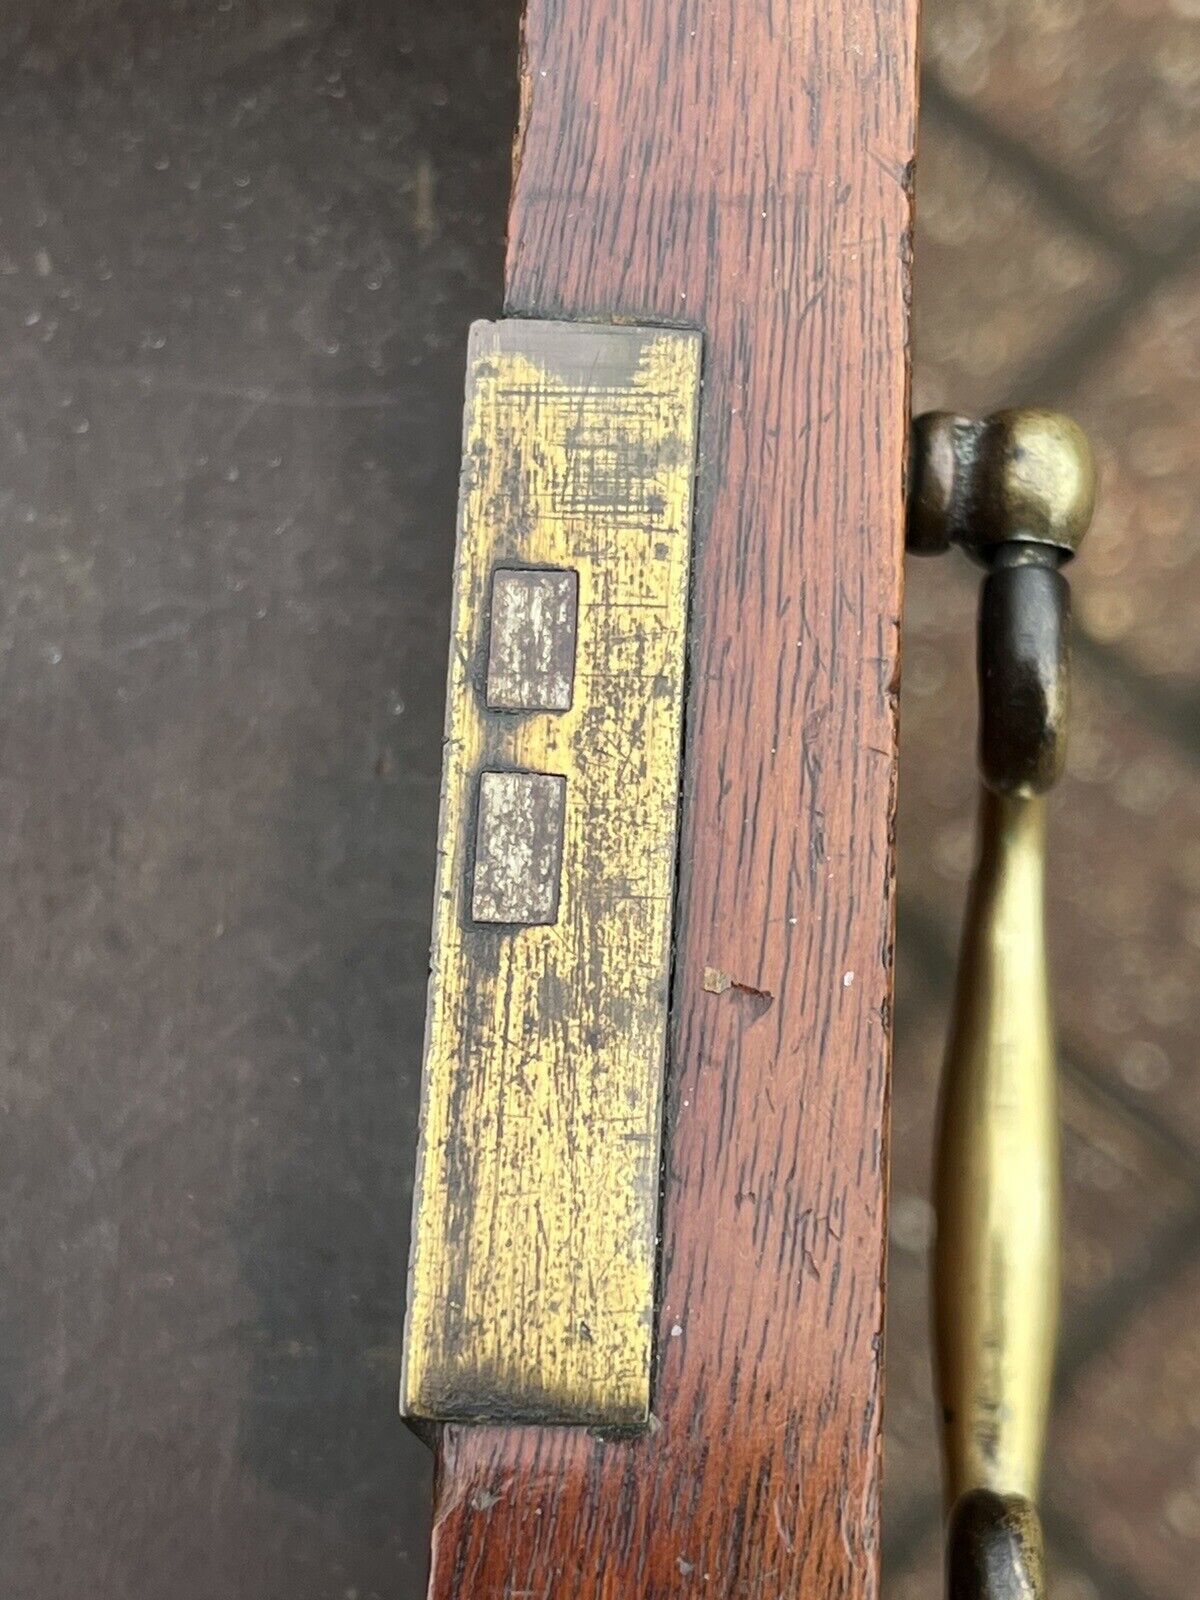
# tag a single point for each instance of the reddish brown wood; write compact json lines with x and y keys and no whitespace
{"x":743,"y":166}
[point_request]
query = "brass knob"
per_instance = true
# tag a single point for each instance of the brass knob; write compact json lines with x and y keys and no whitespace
{"x":1015,"y":491}
{"x":1023,"y":477}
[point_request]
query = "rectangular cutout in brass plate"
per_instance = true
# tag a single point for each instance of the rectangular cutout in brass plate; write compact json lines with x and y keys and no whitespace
{"x":518,"y":847}
{"x":531,"y":658}
{"x":531,"y":1290}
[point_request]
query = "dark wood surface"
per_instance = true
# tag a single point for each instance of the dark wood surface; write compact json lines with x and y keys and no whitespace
{"x":744,"y":169}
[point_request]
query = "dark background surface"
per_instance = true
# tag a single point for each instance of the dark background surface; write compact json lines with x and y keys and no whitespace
{"x":239,"y":247}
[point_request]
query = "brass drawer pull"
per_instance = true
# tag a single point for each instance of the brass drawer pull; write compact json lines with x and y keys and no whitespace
{"x":1015,"y":491}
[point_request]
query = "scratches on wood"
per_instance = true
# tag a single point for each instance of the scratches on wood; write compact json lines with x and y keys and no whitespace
{"x":744,"y":167}
{"x":717,"y":982}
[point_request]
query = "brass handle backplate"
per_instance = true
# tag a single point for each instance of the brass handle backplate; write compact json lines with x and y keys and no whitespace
{"x":536,"y":1205}
{"x":1015,"y":491}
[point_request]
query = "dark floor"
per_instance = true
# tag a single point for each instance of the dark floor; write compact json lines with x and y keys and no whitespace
{"x":240,"y":242}
{"x":239,"y":248}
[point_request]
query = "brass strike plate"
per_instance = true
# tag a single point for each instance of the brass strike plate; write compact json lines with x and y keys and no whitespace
{"x":531,"y":1290}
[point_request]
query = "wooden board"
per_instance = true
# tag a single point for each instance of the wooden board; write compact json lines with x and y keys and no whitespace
{"x":743,"y":166}
{"x":535,"y":1220}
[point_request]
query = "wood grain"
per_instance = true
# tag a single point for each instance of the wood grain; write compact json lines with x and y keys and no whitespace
{"x":743,"y":166}
{"x":535,"y":1218}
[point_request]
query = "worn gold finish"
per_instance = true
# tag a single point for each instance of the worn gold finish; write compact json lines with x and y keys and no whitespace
{"x":1025,"y":476}
{"x":997,"y":1179}
{"x":532,"y":1281}
{"x":1015,"y":491}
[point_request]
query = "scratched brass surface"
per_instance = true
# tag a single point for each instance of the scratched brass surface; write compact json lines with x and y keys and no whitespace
{"x":532,"y":1275}
{"x":998,"y":1170}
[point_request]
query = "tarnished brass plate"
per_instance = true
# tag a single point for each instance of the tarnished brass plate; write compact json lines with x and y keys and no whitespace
{"x":531,"y":1291}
